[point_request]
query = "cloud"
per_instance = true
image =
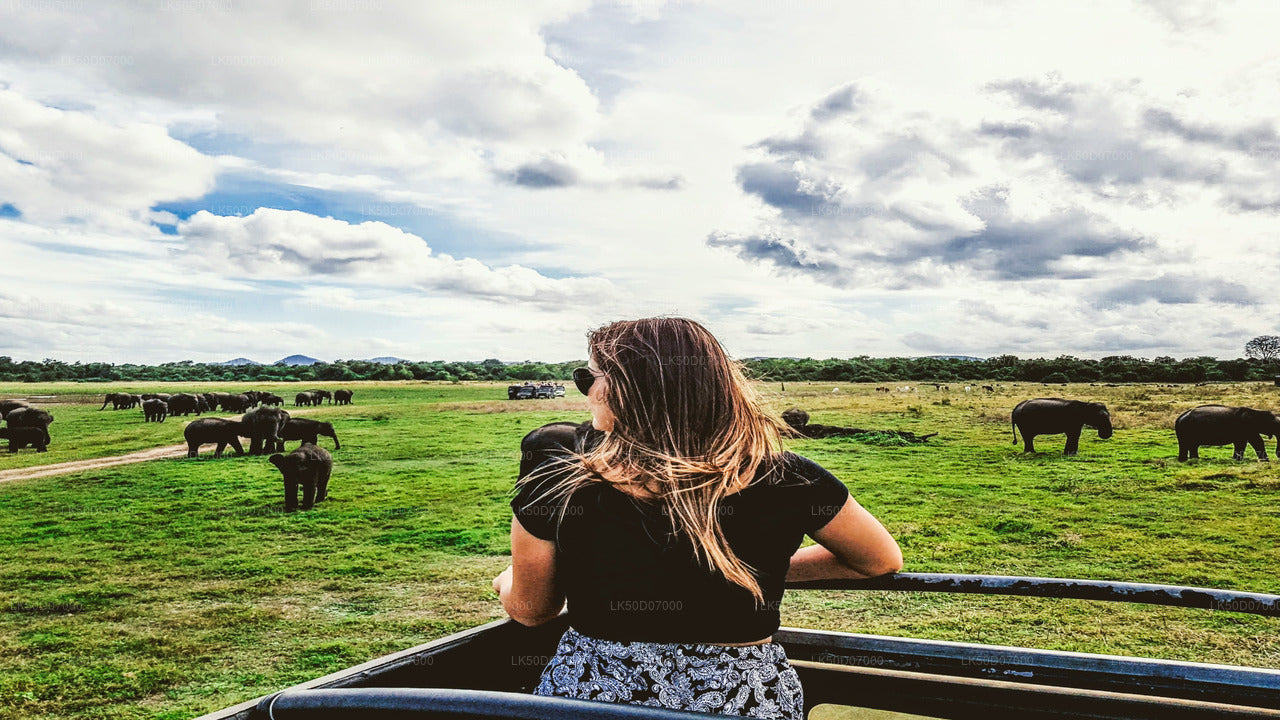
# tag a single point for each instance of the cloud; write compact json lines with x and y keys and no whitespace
{"x":298,"y":247}
{"x":64,"y":165}
{"x":862,"y":193}
{"x":544,"y":174}
{"x":447,"y":89}
{"x":1175,"y":289}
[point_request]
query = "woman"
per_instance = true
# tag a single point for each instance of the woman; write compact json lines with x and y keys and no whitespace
{"x":671,"y":537}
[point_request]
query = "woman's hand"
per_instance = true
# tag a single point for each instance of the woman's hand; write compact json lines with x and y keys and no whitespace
{"x":503,"y":581}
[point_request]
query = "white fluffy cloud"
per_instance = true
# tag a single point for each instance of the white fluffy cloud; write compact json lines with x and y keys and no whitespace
{"x":58,"y":165}
{"x":298,"y":247}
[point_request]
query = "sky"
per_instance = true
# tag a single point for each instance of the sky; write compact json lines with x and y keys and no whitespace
{"x":208,"y":179}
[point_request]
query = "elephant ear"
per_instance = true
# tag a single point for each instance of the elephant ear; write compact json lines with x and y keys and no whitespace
{"x":277,"y":460}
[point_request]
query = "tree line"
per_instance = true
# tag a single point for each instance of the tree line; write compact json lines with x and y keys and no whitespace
{"x":1065,"y":368}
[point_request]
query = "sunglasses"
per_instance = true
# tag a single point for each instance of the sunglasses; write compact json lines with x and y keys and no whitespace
{"x":583,"y":378}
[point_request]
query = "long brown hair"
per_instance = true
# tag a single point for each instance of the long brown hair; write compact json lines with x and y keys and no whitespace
{"x":689,"y":429}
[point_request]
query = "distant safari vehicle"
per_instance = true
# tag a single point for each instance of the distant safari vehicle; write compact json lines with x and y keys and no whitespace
{"x":487,"y":672}
{"x":530,"y":391}
{"x":550,"y":390}
{"x":522,"y":392}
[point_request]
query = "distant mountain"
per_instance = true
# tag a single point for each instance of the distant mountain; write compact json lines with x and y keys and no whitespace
{"x":387,"y":360}
{"x":297,"y":360}
{"x":956,"y":357}
{"x":239,"y":361}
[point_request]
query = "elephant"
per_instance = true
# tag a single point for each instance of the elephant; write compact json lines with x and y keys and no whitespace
{"x":798,"y":420}
{"x":156,"y":396}
{"x":135,"y":401}
{"x":1050,"y":416}
{"x":309,"y":466}
{"x":254,"y":397}
{"x":271,"y":399}
{"x":20,"y":437}
{"x":263,"y":426}
{"x":320,"y":396}
{"x":210,"y":401}
{"x":154,"y":410}
{"x":184,"y":404}
{"x":215,"y":399}
{"x":117,"y":401}
{"x":342,"y":397}
{"x":8,"y":406}
{"x":557,"y":439}
{"x":31,"y":417}
{"x":305,"y":398}
{"x":236,"y":403}
{"x":1225,"y":425}
{"x":308,"y":430}
{"x":222,"y":431}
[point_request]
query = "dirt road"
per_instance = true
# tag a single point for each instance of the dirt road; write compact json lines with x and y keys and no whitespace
{"x":170,"y":451}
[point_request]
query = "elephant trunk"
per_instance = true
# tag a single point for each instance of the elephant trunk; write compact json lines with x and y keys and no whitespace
{"x":336,"y":446}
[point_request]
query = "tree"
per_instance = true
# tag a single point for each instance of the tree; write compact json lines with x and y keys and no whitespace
{"x":1263,"y":347}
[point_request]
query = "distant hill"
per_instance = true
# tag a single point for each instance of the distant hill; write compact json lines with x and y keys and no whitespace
{"x":956,"y":357}
{"x":239,"y":361}
{"x":387,"y":360}
{"x":297,"y":360}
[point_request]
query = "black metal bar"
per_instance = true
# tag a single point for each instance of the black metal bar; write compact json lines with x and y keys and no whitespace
{"x":1106,"y":590}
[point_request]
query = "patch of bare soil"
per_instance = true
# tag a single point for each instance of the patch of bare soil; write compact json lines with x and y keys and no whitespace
{"x":27,"y":473}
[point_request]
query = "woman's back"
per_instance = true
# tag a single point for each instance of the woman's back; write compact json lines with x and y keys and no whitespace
{"x":628,"y":576}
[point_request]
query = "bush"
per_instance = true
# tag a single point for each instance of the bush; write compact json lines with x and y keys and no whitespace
{"x":1055,"y":378}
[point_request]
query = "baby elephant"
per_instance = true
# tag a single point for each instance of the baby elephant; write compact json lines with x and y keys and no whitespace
{"x":20,"y":437}
{"x":309,"y":465}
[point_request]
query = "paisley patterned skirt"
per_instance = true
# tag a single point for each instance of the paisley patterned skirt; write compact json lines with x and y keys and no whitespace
{"x":750,"y":680}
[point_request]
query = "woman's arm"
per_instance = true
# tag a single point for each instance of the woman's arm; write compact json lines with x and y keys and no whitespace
{"x":853,"y":544}
{"x":528,"y":588}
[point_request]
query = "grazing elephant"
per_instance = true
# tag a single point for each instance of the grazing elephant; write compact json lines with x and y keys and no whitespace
{"x":308,"y":430}
{"x":309,"y":466}
{"x":117,"y":401}
{"x":342,"y":397}
{"x":30,"y":417}
{"x":135,"y":401}
{"x":8,"y":406}
{"x":236,"y":403}
{"x":305,"y":398}
{"x":1225,"y":425}
{"x":271,"y":399}
{"x":154,"y":410}
{"x":210,"y":401}
{"x":556,"y":439}
{"x":184,"y":404}
{"x":1050,"y":416}
{"x":254,"y":397}
{"x":264,"y":426}
{"x":320,"y":396}
{"x":20,"y":437}
{"x":222,"y":431}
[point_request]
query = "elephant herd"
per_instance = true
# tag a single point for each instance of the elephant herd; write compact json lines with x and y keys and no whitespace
{"x":267,"y":429}
{"x":1240,"y":427}
{"x":27,"y":426}
{"x":158,"y":406}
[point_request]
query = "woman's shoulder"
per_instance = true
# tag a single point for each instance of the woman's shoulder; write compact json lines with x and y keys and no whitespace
{"x":791,"y":468}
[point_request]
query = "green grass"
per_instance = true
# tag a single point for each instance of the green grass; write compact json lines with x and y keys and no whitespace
{"x":171,"y":588}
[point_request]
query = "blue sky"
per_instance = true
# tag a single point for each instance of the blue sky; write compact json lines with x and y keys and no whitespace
{"x":206,"y":180}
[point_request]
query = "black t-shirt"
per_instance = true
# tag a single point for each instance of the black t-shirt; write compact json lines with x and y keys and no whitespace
{"x":628,"y":577}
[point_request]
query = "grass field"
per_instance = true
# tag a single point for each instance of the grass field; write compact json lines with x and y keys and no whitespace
{"x":174,"y":587}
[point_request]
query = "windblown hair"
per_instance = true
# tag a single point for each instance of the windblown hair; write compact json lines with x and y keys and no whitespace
{"x":689,"y":429}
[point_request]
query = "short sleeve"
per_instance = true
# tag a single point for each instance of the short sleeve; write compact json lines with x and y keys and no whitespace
{"x":824,"y":495}
{"x":533,"y":505}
